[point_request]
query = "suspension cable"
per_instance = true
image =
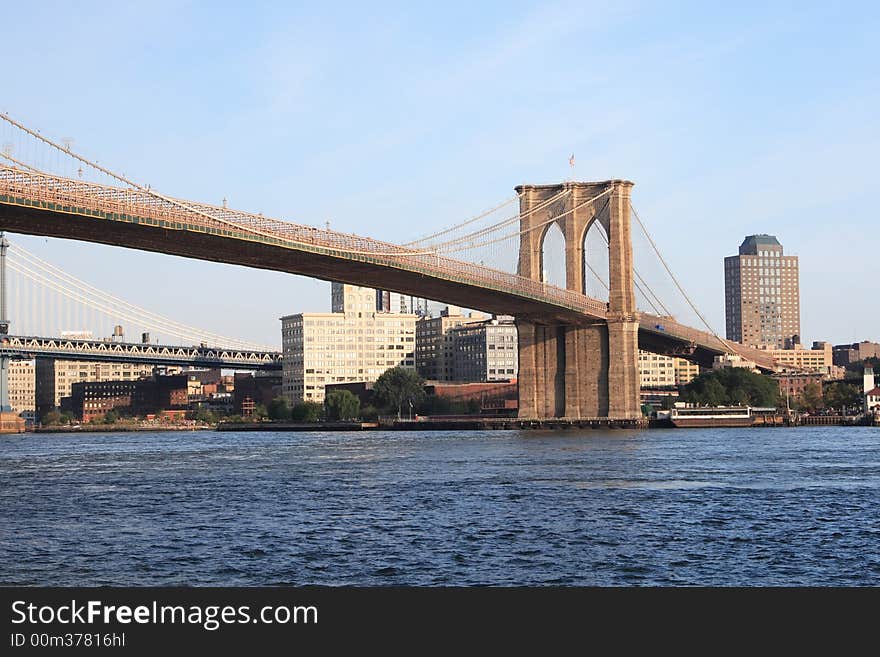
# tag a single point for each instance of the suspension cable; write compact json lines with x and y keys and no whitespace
{"x":532,"y":228}
{"x":639,"y":279}
{"x":501,"y":224}
{"x":118,"y":306}
{"x":678,"y":285}
{"x":180,"y":204}
{"x":112,"y":312}
{"x":20,"y":163}
{"x":465,"y":223}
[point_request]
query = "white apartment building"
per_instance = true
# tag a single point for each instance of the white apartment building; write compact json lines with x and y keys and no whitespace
{"x":658,"y":371}
{"x":685,"y":371}
{"x":22,"y":386}
{"x":353,"y":343}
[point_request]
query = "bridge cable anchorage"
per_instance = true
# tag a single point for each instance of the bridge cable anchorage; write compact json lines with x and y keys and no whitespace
{"x":687,"y":298}
{"x":199,"y":209}
{"x":466,"y":222}
{"x":112,"y":306}
{"x":501,"y":224}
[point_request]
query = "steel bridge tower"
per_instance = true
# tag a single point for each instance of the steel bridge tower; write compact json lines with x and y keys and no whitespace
{"x":10,"y":422}
{"x":4,"y":328}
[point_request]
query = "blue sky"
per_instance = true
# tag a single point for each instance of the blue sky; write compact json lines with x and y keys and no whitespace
{"x":393,"y":119}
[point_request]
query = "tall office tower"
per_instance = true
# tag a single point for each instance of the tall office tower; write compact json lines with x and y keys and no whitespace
{"x":762,"y":294}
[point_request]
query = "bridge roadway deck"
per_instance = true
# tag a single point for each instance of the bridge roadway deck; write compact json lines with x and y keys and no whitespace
{"x":54,"y":207}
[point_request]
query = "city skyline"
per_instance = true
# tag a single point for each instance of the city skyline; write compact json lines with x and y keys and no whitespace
{"x":442,"y":160}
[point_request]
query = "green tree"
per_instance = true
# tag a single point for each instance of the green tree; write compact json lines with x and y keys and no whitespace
{"x":278,"y":409}
{"x":399,"y":387}
{"x":705,"y":389}
{"x":811,"y":398}
{"x":342,"y":405}
{"x":434,"y":405}
{"x":111,"y":417}
{"x":732,"y":386}
{"x":50,"y":418}
{"x":842,"y":395}
{"x":202,"y":415}
{"x":306,"y":412}
{"x":369,"y":413}
{"x":260,"y":413}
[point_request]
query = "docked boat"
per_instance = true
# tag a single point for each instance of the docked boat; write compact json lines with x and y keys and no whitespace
{"x":712,"y":416}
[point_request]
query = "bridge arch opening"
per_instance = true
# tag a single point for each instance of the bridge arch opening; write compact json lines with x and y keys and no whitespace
{"x":553,"y":256}
{"x":596,"y":269}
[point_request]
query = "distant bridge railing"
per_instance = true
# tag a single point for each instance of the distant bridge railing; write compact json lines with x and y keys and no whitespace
{"x":97,"y":350}
{"x":144,"y":206}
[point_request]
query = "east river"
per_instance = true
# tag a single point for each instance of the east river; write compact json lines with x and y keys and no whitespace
{"x":797,"y":506}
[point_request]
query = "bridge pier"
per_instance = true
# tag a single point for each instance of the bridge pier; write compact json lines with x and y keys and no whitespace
{"x":580,"y":371}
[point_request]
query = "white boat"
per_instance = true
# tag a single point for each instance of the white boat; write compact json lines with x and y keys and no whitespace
{"x":712,"y":416}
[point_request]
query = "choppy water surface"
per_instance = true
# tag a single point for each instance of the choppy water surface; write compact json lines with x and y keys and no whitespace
{"x":721,"y":506}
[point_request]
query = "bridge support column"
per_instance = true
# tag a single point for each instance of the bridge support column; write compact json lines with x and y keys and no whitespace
{"x":623,"y":369}
{"x":586,"y":376}
{"x":541,"y":370}
{"x":579,"y":371}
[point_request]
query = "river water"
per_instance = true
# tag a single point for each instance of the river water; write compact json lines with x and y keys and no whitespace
{"x":798,"y":506}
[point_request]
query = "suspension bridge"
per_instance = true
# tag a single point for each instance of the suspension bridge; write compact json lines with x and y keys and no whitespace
{"x":49,"y":302}
{"x":578,"y":350}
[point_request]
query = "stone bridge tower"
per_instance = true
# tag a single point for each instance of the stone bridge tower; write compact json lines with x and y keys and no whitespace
{"x":591,"y":369}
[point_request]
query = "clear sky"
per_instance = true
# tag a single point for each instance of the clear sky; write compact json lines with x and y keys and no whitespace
{"x":393,"y":119}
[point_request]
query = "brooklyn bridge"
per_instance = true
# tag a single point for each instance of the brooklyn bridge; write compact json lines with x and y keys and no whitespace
{"x":577,"y":353}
